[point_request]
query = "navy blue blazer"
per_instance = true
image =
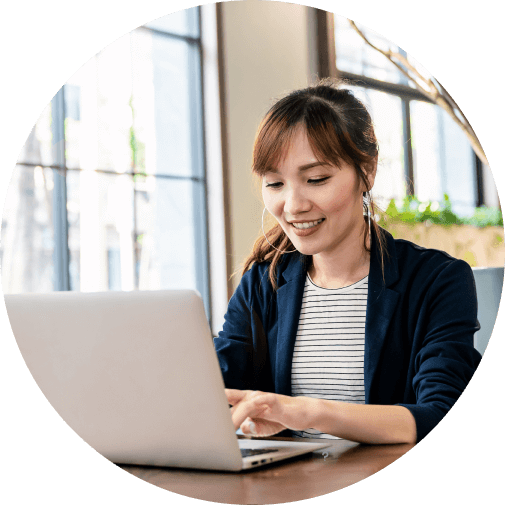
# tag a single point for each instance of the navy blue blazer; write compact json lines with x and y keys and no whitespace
{"x":420,"y":321}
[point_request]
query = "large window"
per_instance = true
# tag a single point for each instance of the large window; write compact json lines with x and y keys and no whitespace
{"x":109,"y":192}
{"x":422,"y":150}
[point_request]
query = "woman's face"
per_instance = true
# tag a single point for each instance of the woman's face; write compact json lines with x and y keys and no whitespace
{"x":319,"y":206}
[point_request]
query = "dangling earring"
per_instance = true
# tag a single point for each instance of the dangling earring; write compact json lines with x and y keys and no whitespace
{"x":266,"y":238}
{"x":367,"y":203}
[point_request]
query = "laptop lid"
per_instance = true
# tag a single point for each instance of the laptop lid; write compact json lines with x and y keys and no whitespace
{"x":133,"y":373}
{"x":113,"y":366}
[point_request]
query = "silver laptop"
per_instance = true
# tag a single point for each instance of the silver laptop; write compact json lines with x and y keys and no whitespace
{"x":136,"y":376}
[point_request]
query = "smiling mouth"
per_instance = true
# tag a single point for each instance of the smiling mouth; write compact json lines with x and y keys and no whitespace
{"x":308,"y":224}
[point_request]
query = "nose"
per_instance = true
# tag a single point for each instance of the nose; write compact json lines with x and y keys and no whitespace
{"x":296,"y":202}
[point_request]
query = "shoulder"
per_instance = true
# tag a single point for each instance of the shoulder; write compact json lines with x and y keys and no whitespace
{"x":256,"y":276}
{"x":255,"y":283}
{"x":419,"y":265}
{"x":416,"y":256}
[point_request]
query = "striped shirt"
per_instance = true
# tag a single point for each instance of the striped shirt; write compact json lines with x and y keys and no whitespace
{"x":329,"y":349}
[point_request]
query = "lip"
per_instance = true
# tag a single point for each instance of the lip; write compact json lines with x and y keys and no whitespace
{"x":298,"y":221}
{"x":305,"y":232}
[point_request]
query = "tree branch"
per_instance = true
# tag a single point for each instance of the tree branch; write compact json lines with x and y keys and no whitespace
{"x":432,"y":89}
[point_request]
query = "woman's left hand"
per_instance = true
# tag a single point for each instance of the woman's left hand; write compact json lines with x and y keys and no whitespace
{"x":265,"y":414}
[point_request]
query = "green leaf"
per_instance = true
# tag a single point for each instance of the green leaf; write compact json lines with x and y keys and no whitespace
{"x":413,"y":211}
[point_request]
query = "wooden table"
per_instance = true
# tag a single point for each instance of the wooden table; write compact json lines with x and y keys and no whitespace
{"x":309,"y":476}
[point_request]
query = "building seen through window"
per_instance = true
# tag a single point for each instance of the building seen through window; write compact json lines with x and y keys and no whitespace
{"x":423,"y":152}
{"x":109,"y":189}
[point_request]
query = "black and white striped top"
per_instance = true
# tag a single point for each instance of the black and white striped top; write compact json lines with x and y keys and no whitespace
{"x":329,"y":349}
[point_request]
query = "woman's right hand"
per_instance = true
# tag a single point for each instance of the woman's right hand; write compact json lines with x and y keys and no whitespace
{"x":265,"y":414}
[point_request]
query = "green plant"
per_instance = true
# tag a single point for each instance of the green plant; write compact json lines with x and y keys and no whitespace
{"x":486,"y":216}
{"x":412,"y":211}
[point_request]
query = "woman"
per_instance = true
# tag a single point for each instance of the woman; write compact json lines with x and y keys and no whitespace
{"x":337,"y":329}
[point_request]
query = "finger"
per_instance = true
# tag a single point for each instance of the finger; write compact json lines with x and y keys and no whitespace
{"x":254,"y":410}
{"x":259,"y":427}
{"x":249,"y":407}
{"x":234,"y":395}
{"x":248,"y":427}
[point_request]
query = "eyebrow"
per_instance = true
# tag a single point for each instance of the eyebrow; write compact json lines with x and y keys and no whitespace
{"x":302,"y":168}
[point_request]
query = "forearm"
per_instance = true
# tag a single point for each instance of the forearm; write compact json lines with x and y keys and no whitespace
{"x":372,"y":424}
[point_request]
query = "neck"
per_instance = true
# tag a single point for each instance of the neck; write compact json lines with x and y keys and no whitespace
{"x":342,"y":267}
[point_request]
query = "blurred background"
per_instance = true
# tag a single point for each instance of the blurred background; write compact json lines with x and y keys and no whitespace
{"x":137,"y":173}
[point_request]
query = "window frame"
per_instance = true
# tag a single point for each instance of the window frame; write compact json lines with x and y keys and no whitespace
{"x":60,"y":222}
{"x":327,"y":67}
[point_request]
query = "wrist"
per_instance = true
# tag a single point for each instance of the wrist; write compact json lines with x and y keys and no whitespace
{"x":315,"y":409}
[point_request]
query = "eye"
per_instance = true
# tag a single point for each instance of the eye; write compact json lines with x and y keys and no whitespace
{"x":273,"y":185}
{"x":318,"y":181}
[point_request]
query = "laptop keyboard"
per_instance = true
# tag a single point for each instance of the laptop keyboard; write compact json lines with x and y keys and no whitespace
{"x":255,"y":452}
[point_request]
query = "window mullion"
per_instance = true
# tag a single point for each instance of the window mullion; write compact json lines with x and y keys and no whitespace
{"x":407,"y":147}
{"x":200,"y":203}
{"x":61,"y":281}
{"x":479,"y":182}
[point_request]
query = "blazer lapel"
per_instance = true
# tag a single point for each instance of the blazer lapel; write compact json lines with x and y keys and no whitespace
{"x":289,"y":303}
{"x":381,"y":305}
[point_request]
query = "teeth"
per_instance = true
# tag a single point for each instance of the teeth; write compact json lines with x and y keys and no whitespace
{"x":310,"y":224}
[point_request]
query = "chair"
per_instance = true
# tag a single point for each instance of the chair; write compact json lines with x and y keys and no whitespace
{"x":489,"y":283}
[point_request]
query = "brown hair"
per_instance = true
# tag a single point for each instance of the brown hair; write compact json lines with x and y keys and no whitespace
{"x":339,"y":128}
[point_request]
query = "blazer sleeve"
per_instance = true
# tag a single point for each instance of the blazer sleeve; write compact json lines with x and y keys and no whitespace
{"x":446,"y":358}
{"x":241,"y":346}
